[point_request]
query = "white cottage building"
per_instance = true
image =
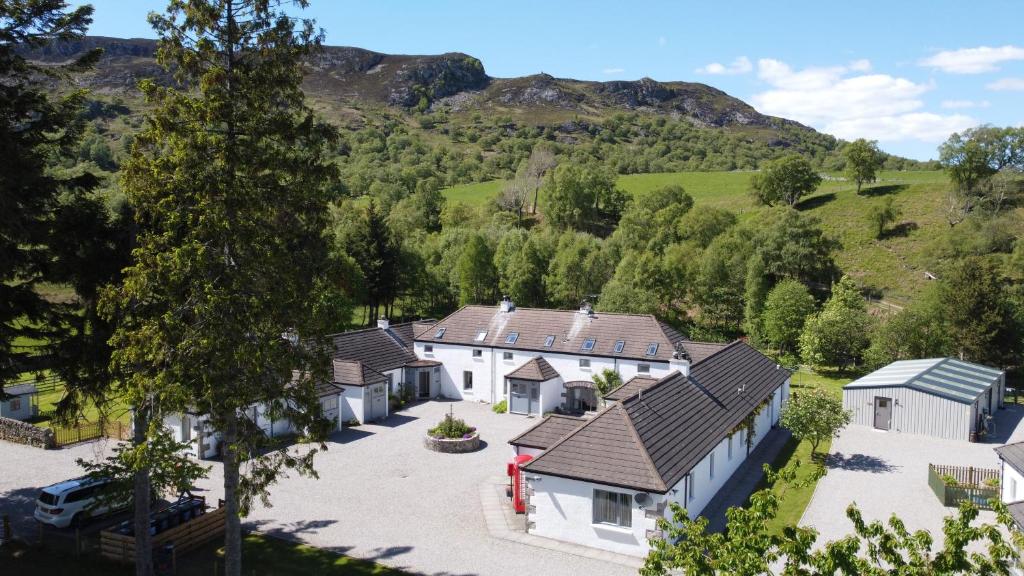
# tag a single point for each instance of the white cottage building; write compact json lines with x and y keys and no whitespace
{"x":603,"y":482}
{"x":539,"y":360}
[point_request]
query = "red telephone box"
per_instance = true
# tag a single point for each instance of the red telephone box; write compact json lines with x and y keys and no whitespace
{"x":517,"y":484}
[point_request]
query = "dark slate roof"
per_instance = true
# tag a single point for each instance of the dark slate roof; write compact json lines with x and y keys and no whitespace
{"x":605,"y":450}
{"x":699,"y":351}
{"x":354,"y":373}
{"x":536,"y":369}
{"x":327,"y":388}
{"x":1013,"y":454}
{"x":550,"y":430}
{"x":406,"y":331}
{"x":20,"y":389}
{"x":380,"y":349}
{"x":634,"y":385}
{"x":1016,"y":510}
{"x":668,"y":429}
{"x":569,"y":327}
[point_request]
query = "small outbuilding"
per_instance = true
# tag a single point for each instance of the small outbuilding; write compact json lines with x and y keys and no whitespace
{"x":941,"y":397}
{"x":364,"y":394}
{"x":21,"y":402}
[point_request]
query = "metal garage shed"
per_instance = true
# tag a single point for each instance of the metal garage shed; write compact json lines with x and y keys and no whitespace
{"x":941,"y":397}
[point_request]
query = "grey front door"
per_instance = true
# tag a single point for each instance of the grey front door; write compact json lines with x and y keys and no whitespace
{"x":883,"y":412}
{"x":523,"y":397}
{"x":378,"y":401}
{"x":423,"y":384}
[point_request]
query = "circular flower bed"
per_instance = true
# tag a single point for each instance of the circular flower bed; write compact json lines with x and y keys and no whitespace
{"x":452,"y":436}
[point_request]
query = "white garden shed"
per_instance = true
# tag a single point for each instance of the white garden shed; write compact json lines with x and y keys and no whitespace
{"x":941,"y":397}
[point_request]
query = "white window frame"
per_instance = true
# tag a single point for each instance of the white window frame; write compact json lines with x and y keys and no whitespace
{"x":585,"y":363}
{"x":689,"y":487}
{"x":611,"y":508}
{"x":711,"y":466}
{"x":478,"y":353}
{"x":15,"y":404}
{"x":644,"y":368}
{"x":428,"y":348}
{"x":467,"y":378}
{"x":730,"y":446}
{"x":507,"y":356}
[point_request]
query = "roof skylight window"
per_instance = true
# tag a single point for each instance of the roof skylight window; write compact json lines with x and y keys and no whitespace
{"x":512,"y":337}
{"x":652,"y":348}
{"x":549,"y":341}
{"x":440,"y":332}
{"x":481,"y":335}
{"x":588,"y":345}
{"x":619,"y":345}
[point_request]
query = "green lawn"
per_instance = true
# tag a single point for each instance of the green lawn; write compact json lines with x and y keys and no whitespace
{"x":473,"y":194}
{"x":261,"y":556}
{"x":794,"y":499}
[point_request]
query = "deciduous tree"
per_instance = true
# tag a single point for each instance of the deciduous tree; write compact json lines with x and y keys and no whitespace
{"x":785,"y":180}
{"x":478,"y":280}
{"x":785,"y":310}
{"x":814,"y":415}
{"x":838,"y":334}
{"x":863,"y":160}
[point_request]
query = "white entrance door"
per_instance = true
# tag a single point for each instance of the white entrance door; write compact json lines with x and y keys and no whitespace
{"x":378,"y":401}
{"x":329,"y":405}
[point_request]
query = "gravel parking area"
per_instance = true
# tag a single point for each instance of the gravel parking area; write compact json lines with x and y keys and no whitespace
{"x":886,"y":472}
{"x":381,"y":496}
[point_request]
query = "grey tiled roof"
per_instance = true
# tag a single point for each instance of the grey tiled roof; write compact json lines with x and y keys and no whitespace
{"x":536,"y":369}
{"x":570,"y":329}
{"x":650,"y":442}
{"x":407,"y":331}
{"x":1016,"y":510}
{"x":355,"y":373}
{"x":550,"y":430}
{"x":374,"y":347}
{"x":699,"y":351}
{"x":631,"y":387}
{"x":1013,"y":454}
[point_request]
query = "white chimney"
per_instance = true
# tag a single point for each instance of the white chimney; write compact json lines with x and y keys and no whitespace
{"x":680,"y":361}
{"x":383,"y":323}
{"x":506,"y":304}
{"x":586,"y":309}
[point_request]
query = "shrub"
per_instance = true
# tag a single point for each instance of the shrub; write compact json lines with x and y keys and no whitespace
{"x":451,"y":427}
{"x":500,"y":407}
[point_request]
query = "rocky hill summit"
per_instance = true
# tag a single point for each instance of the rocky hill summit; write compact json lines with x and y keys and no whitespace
{"x":356,"y":78}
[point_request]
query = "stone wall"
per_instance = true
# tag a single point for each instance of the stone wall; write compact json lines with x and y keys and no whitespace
{"x":25,"y":433}
{"x":453,"y":446}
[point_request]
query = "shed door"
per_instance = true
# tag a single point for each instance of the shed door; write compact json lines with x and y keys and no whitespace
{"x":378,"y":401}
{"x":329,"y":404}
{"x":883,"y":412}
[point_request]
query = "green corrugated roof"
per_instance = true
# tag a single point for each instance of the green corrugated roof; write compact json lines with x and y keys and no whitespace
{"x":947,"y":377}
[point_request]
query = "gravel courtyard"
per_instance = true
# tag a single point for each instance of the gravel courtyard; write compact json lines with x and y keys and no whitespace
{"x":381,"y":496}
{"x":886,"y":472}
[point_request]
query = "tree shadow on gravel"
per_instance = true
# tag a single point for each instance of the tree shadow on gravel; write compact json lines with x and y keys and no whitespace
{"x":859,"y":463}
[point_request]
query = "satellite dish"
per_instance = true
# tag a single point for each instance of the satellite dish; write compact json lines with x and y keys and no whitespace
{"x":642,"y":498}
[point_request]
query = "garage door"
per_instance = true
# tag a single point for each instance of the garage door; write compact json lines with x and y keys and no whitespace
{"x":378,"y":401}
{"x":329,"y":405}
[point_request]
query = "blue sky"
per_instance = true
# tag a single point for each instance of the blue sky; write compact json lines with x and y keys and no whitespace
{"x":906,"y":73}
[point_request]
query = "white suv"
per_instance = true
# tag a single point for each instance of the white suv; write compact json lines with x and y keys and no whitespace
{"x":73,"y":502}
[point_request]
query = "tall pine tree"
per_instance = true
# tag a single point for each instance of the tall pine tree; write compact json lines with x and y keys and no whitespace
{"x":229,"y":180}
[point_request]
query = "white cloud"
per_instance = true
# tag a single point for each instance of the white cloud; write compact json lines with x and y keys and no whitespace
{"x":740,"y":65}
{"x":662,"y":41}
{"x":844,"y":101}
{"x":862,"y":65}
{"x":960,"y":104}
{"x":973,"y":60}
{"x":1007,"y":84}
{"x":613,"y":71}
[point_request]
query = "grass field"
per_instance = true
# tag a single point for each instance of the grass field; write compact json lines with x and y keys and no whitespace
{"x":894,"y":265}
{"x":261,"y":556}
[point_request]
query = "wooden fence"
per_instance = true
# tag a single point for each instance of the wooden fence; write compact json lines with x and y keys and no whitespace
{"x":955,"y":484}
{"x":83,"y":431}
{"x":187,"y":536}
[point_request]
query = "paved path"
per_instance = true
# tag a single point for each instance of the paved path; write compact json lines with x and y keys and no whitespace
{"x":735,"y":492}
{"x":886,"y":472}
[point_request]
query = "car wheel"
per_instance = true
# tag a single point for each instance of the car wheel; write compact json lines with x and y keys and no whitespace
{"x":78,"y":520}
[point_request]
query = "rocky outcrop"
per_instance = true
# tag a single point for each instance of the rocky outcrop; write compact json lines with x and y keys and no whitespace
{"x":25,"y":433}
{"x":420,"y":80}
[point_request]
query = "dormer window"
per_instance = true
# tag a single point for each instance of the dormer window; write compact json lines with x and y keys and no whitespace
{"x":619,"y":345}
{"x":440,"y":333}
{"x":512,"y":337}
{"x":652,"y":349}
{"x":481,"y":335}
{"x":549,"y":341}
{"x":588,"y":345}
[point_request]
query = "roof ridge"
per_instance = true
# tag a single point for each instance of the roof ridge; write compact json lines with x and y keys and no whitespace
{"x":658,"y":382}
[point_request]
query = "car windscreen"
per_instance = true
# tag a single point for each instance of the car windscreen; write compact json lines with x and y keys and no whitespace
{"x":47,"y":498}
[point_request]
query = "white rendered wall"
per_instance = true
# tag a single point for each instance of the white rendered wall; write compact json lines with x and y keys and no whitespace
{"x":563,"y":510}
{"x":351,"y":404}
{"x":490,"y":369}
{"x":1010,"y":480}
{"x":551,"y":395}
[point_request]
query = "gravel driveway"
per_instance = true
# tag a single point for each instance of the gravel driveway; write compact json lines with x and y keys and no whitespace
{"x":886,"y":472}
{"x":381,"y":496}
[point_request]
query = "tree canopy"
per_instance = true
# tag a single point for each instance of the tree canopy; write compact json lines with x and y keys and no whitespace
{"x":785,"y":180}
